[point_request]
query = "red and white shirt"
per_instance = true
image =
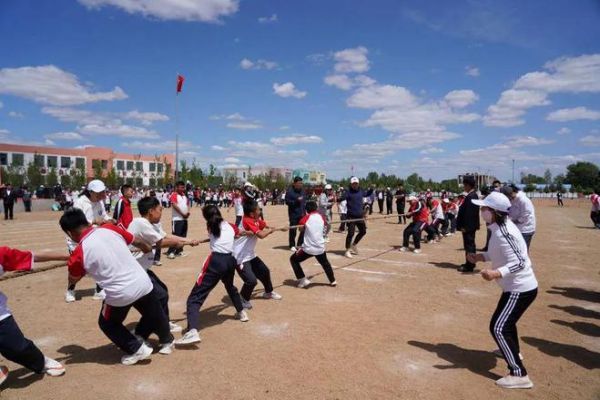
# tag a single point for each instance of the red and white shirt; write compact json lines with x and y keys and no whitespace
{"x":224,"y":243}
{"x":314,"y":242}
{"x":151,"y":234}
{"x":244,"y":246}
{"x":103,"y":254}
{"x":595,"y":199}
{"x":12,"y":260}
{"x":181,"y":201}
{"x":436,"y":210}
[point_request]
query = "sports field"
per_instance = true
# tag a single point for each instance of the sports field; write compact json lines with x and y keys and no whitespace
{"x":399,"y":325}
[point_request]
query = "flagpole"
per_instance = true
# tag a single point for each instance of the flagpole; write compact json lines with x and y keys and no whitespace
{"x":177,"y":132}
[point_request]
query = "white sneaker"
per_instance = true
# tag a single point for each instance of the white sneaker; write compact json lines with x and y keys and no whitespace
{"x":166,"y":348}
{"x":242,"y":316}
{"x":142,"y":353}
{"x":190,"y":337}
{"x":293,"y":249}
{"x":515,"y":382}
{"x":417,"y":251}
{"x":70,"y":296}
{"x":101,"y":295}
{"x":348,"y":254}
{"x":246,"y":304}
{"x":171,"y":256}
{"x":499,"y":354}
{"x":174,"y":328}
{"x":334,"y":283}
{"x":354,"y":249}
{"x":327,"y":240}
{"x":182,"y":254}
{"x":3,"y":374}
{"x":403,"y":249}
{"x":272,"y":296}
{"x":53,"y":367}
{"x":157,"y":263}
{"x":302,"y":283}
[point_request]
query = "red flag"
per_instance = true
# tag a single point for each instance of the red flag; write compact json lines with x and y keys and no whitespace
{"x":180,"y":80}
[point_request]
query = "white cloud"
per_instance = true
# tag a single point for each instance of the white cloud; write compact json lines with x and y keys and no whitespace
{"x":563,"y":75}
{"x":49,"y":84}
{"x":217,"y":148}
{"x":572,"y":114}
{"x":235,"y":116}
{"x":118,"y":130}
{"x":284,"y":128}
{"x":296,"y":139}
{"x":288,"y":89}
{"x":265,"y":152}
{"x":563,"y":131}
{"x":15,"y":114}
{"x":381,"y":96}
{"x":472,"y":71}
{"x":461,"y":98}
{"x":167,"y":145}
{"x":244,"y":126}
{"x":269,"y":19}
{"x":590,"y":140}
{"x":317,"y":58}
{"x":345,"y":82}
{"x":351,"y":60}
{"x":231,"y":160}
{"x":432,"y":150}
{"x":258,"y":64}
{"x":145,"y":118}
{"x":4,"y":132}
{"x":184,"y":10}
{"x":64,"y":136}
{"x":521,"y":141}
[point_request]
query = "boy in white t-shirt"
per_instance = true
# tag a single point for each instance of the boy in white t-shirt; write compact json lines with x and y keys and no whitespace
{"x":103,"y":253}
{"x":181,"y":212}
{"x":147,"y":228}
{"x":238,"y":206}
{"x":313,"y":246}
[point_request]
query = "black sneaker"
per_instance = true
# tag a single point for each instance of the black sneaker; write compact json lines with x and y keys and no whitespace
{"x":465,"y":268}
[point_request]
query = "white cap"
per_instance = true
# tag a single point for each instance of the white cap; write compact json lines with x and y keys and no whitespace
{"x":412,"y":198}
{"x":446,"y":200}
{"x":496,"y":201}
{"x":248,"y":184}
{"x":328,"y":187}
{"x":96,"y":186}
{"x":354,"y":180}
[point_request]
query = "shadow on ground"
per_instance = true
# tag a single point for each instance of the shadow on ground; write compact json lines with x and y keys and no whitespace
{"x":585,"y":328}
{"x":576,"y":293}
{"x":577,"y":311}
{"x":576,"y":354}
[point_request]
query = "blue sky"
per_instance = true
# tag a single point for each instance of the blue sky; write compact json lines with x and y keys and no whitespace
{"x":391,"y":86}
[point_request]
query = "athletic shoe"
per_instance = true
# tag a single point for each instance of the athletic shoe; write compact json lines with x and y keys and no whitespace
{"x":354,"y":249}
{"x":70,"y":296}
{"x":302,"y":283}
{"x":417,"y":251}
{"x":272,"y":296}
{"x":157,"y":263}
{"x":182,"y":254}
{"x":246,"y":304}
{"x":101,"y":295}
{"x":174,"y":328}
{"x":348,"y":254}
{"x":242,"y":316}
{"x":333,"y":284}
{"x":499,"y":354}
{"x":515,"y":382}
{"x":465,"y":269}
{"x":190,"y":337}
{"x":166,"y":348}
{"x":293,"y":249}
{"x":170,"y":256}
{"x":142,"y":353}
{"x":403,"y":249}
{"x":3,"y":374}
{"x":327,"y":240}
{"x":53,"y":367}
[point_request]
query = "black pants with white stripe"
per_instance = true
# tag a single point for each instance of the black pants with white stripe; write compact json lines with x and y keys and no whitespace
{"x":251,"y":272}
{"x":503,"y":327}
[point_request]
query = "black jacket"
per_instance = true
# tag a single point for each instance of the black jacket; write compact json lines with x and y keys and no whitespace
{"x":468,"y":214}
{"x":9,"y":199}
{"x":295,"y":206}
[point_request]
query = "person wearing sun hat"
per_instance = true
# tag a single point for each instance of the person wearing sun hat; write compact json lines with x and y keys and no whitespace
{"x":511,"y":268}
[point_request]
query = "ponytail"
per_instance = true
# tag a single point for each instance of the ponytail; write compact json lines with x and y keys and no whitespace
{"x":213,"y":218}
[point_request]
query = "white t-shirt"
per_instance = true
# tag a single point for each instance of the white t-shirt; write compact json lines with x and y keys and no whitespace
{"x":149,"y":233}
{"x":314,"y":242}
{"x":182,"y":202}
{"x":224,"y":243}
{"x":244,"y":246}
{"x":239,"y":208}
{"x":92,"y":211}
{"x":103,"y":254}
{"x":343,"y":207}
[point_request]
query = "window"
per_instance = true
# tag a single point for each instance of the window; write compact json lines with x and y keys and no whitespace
{"x":159,"y":168}
{"x":3,"y":159}
{"x":139,"y":166}
{"x":80,"y":162}
{"x":104,"y":164}
{"x":152,"y":167}
{"x":18,"y":159}
{"x":52,"y":161}
{"x":96,"y":164}
{"x":129,"y":165}
{"x":38,"y":160}
{"x":65,"y":162}
{"x":120,"y":165}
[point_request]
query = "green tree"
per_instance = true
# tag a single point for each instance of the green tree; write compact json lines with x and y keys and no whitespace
{"x":52,"y":177}
{"x":79,"y":177}
{"x":111,"y":178}
{"x":530,"y":187}
{"x":97,"y":167}
{"x":34,"y":177}
{"x":548,"y":177}
{"x":583,"y":174}
{"x":167,"y":172}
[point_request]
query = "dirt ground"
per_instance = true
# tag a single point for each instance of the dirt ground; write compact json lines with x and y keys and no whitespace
{"x":398,"y":325}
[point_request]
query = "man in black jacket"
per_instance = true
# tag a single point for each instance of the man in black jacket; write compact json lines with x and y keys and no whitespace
{"x":467,"y":221}
{"x":8,"y":201}
{"x":295,"y":198}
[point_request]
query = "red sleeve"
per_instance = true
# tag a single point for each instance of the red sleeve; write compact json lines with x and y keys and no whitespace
{"x":15,"y":260}
{"x":249,"y":225}
{"x":236,"y":230}
{"x":173,"y":198}
{"x":262,"y":224}
{"x":304,"y":219}
{"x":75,"y":264}
{"x":118,"y":229}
